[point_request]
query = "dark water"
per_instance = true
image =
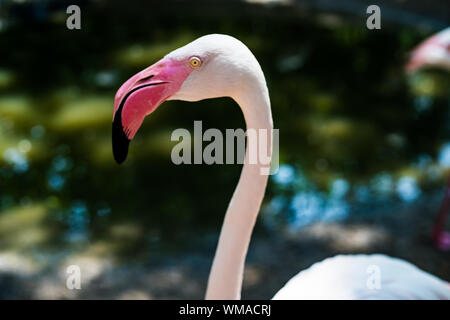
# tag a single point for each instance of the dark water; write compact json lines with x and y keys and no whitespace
{"x":356,"y":133}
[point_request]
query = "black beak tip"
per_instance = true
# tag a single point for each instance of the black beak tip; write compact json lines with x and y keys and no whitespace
{"x":120,"y":141}
{"x":120,"y":156}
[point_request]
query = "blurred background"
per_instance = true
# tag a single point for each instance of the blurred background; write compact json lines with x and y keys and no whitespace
{"x":364,"y":148}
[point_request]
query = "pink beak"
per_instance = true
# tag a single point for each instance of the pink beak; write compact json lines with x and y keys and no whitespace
{"x":417,"y":60}
{"x":419,"y":55}
{"x":141,"y":95}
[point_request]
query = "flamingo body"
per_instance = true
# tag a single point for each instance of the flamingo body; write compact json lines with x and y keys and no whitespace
{"x":435,"y":52}
{"x":361,"y":277}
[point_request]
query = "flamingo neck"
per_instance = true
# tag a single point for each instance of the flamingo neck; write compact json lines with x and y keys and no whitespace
{"x":225,"y":279}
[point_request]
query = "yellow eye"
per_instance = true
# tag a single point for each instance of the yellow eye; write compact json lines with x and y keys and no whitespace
{"x":195,"y":62}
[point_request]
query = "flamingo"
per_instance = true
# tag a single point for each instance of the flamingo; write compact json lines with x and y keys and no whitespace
{"x":435,"y":52}
{"x":216,"y":66}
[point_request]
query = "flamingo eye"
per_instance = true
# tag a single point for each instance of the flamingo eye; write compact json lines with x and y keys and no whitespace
{"x":195,"y":62}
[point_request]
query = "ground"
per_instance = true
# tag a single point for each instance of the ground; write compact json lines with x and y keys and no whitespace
{"x":273,"y":258}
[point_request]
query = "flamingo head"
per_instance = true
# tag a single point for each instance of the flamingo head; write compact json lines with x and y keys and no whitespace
{"x":433,"y":52}
{"x":211,"y":66}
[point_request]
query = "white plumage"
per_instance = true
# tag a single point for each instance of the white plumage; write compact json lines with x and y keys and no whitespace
{"x":352,"y":277}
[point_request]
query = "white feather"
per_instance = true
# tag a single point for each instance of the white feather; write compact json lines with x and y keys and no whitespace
{"x":348,"y":277}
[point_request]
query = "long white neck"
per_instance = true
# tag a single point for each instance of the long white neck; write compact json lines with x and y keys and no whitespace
{"x":225,"y":279}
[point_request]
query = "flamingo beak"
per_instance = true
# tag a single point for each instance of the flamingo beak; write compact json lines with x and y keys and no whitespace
{"x":416,"y":61}
{"x":427,"y":54}
{"x":141,"y":95}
